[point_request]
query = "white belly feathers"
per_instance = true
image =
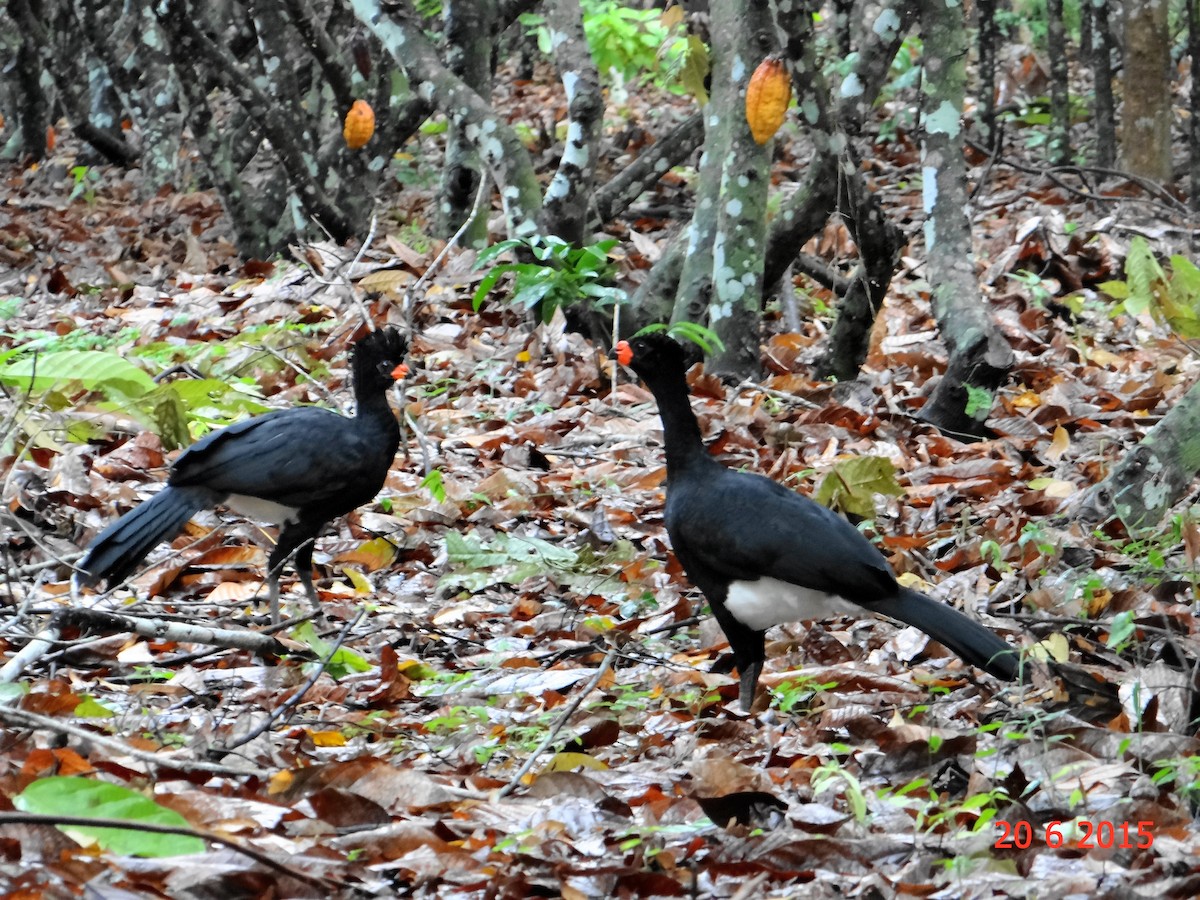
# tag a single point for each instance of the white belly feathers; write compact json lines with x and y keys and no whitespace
{"x":768,"y":601}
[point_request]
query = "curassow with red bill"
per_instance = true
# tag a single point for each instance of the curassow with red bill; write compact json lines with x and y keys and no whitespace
{"x":296,"y":468}
{"x":764,"y":555}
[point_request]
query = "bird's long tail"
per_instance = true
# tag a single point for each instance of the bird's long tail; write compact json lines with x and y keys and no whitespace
{"x":975,"y":643}
{"x":120,"y":547}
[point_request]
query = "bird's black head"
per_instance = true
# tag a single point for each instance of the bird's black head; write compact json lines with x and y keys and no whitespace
{"x":379,"y":360}
{"x":657,"y":353}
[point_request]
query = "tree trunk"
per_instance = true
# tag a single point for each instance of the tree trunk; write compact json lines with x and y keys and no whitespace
{"x":1060,"y":95}
{"x":979,"y":356}
{"x":33,"y":110}
{"x":469,"y":56}
{"x":989,"y":38}
{"x":507,"y":159}
{"x":742,"y":37}
{"x":1146,"y":120}
{"x":1099,"y":54}
{"x":565,"y":212}
{"x":1154,"y":475}
{"x":1194,"y":119}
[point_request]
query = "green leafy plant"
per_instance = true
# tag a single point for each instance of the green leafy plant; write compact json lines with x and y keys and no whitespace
{"x":705,"y":338}
{"x":511,"y":559}
{"x":435,"y":483}
{"x":632,"y":44}
{"x":797,"y":694}
{"x":561,"y":274}
{"x":343,"y":662}
{"x":829,"y":774}
{"x":1170,"y":298}
{"x":1183,"y":773}
{"x":86,"y":181}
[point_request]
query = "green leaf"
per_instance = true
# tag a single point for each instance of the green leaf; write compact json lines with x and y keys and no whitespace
{"x":852,"y":484}
{"x":706,"y":338}
{"x":695,"y":69}
{"x":1123,"y":628}
{"x":979,"y":400}
{"x":486,"y":285}
{"x":342,"y":663}
{"x":435,"y":483}
{"x":489,"y":253}
{"x":95,"y":370}
{"x":87,"y":797}
{"x":1144,"y":276}
{"x":91,"y":708}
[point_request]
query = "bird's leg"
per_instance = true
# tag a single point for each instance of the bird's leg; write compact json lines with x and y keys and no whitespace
{"x":748,"y":681}
{"x":273,"y":595}
{"x":304,"y":570}
{"x":296,"y":537}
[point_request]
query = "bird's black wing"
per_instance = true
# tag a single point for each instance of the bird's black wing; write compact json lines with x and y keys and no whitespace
{"x":741,"y":525}
{"x":295,"y":457}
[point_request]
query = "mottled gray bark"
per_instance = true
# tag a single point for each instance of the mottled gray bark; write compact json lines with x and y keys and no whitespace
{"x":297,"y":156}
{"x":509,"y":162}
{"x":742,"y":37}
{"x":144,"y":81}
{"x":321,"y":47}
{"x":879,"y":243}
{"x":1146,"y":118}
{"x":979,"y":356}
{"x":988,"y":39}
{"x":468,"y":33}
{"x":565,"y":212}
{"x":1152,"y":476}
{"x":672,"y":149}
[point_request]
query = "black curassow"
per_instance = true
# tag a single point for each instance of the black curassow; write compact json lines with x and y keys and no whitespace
{"x":297,"y":468}
{"x":764,"y":555}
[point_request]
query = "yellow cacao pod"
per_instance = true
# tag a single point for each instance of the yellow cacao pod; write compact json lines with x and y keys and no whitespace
{"x":360,"y":125}
{"x":767,"y":98}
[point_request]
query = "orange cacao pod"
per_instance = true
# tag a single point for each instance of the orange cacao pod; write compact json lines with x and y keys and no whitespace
{"x":360,"y":125}
{"x":767,"y":98}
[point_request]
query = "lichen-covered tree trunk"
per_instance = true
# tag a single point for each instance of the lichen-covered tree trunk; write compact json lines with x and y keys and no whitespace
{"x":742,"y":37}
{"x":507,"y":159}
{"x":979,"y":355}
{"x":1152,"y":476}
{"x":989,"y":38}
{"x":1146,"y":119}
{"x":565,"y":212}
{"x":469,"y":27}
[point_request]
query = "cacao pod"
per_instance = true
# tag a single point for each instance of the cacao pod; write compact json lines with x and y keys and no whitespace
{"x":360,"y":125}
{"x":767,"y":98}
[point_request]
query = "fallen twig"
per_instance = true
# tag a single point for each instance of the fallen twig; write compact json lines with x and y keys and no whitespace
{"x":156,"y":760}
{"x":290,"y":704}
{"x":605,"y":665}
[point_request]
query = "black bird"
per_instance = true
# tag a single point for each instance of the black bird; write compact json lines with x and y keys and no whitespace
{"x":297,"y":468}
{"x":764,"y":555}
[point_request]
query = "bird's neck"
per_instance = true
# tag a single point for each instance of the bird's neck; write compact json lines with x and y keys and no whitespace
{"x":370,"y":393}
{"x":681,"y":430}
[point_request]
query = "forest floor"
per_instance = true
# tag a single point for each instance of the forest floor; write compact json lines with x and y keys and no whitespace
{"x":510,"y":597}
